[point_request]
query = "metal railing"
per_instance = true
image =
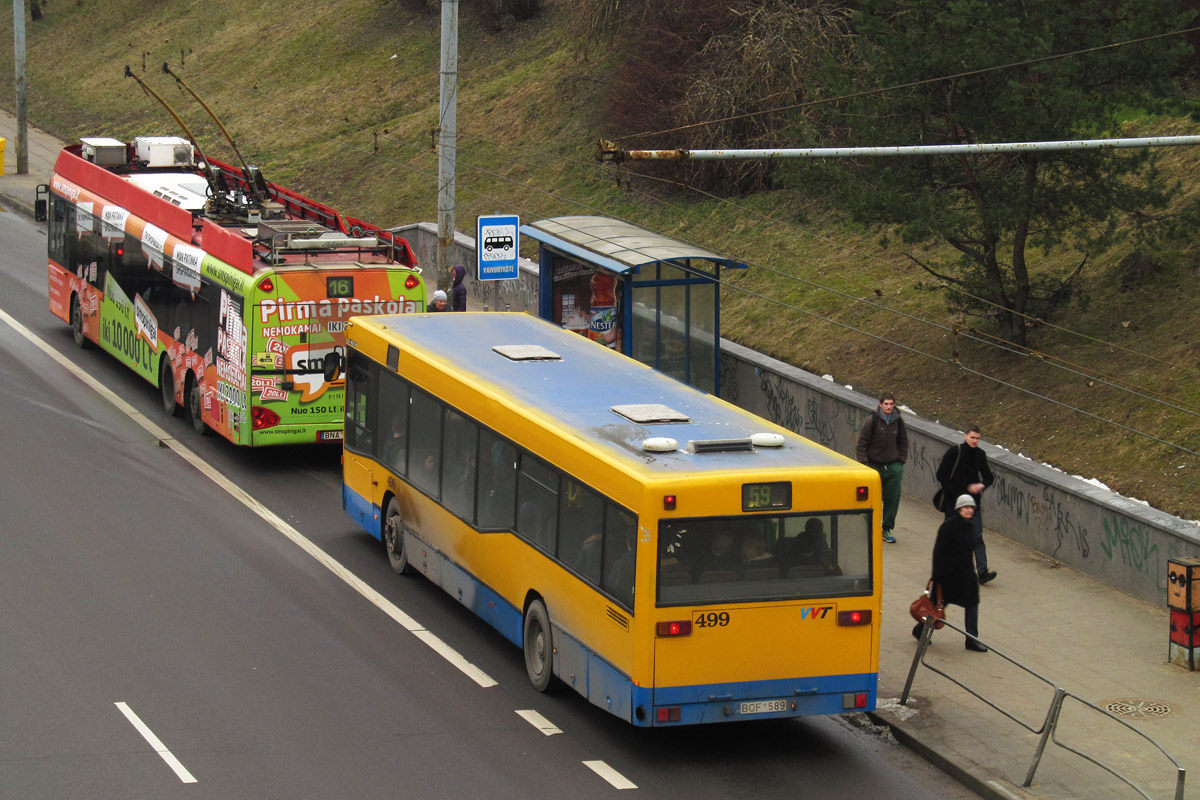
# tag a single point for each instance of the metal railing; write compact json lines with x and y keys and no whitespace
{"x":1048,"y":729}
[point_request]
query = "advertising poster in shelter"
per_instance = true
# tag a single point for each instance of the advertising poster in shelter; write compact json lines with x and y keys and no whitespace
{"x":587,"y":301}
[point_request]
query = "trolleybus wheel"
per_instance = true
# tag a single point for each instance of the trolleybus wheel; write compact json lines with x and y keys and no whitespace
{"x":77,"y":322}
{"x":539,"y":650}
{"x":393,"y":537}
{"x":195,"y":410}
{"x":166,"y":382}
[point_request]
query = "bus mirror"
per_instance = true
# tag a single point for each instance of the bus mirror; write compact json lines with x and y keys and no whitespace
{"x":333,"y":367}
{"x":41,"y":202}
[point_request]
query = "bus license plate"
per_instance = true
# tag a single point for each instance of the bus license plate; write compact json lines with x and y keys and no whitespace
{"x":763,"y":707}
{"x":329,"y":436}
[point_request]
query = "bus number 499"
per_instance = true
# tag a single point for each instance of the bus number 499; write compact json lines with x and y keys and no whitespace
{"x":712,"y":619}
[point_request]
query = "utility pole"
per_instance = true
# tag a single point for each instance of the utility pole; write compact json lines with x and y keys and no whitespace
{"x":19,"y":87}
{"x":447,"y":139}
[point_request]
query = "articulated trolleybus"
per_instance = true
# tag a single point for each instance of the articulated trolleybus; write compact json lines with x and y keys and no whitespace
{"x":228,"y":292}
{"x":674,"y":559}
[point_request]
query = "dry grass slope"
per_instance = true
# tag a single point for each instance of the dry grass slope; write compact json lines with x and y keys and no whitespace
{"x":339,"y":100}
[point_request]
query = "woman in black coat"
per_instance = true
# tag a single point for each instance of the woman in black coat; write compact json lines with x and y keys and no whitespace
{"x":954,"y":568}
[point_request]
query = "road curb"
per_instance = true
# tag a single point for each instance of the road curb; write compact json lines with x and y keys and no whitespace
{"x":14,"y":203}
{"x":966,"y":774}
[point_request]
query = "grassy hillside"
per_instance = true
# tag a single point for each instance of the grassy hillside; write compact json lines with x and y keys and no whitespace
{"x":339,"y":100}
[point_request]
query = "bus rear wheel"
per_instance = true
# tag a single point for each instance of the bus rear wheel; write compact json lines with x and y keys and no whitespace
{"x":393,"y":537}
{"x":539,"y":647}
{"x":195,"y":400}
{"x":77,"y":322}
{"x":166,"y":382}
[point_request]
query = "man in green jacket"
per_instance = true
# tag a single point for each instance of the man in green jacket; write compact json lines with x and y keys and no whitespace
{"x":883,"y":446}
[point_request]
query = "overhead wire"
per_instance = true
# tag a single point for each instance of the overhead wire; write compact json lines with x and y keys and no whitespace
{"x":745,"y":290}
{"x":1095,"y":376}
{"x":910,"y":85}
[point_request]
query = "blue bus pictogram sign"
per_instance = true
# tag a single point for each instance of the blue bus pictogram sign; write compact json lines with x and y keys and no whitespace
{"x":496,"y":248}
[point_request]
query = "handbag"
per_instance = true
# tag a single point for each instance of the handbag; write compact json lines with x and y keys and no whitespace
{"x":939,"y":497}
{"x":924,"y":606}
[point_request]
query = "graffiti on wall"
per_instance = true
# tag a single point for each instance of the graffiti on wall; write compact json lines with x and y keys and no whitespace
{"x":1132,"y":543}
{"x":729,"y":378}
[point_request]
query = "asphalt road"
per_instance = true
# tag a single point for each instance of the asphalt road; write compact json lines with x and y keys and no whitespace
{"x":160,"y":637}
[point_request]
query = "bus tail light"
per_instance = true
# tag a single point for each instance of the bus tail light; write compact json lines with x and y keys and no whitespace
{"x":856,"y":700}
{"x":411,"y":282}
{"x":846,"y":618}
{"x":263,"y":418}
{"x":667,"y":713}
{"x":668,"y":502}
{"x":861,"y":493}
{"x":266,"y":285}
{"x":679,"y":627}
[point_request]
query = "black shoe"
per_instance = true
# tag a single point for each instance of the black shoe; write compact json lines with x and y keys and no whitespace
{"x":977,"y":647}
{"x":986,"y":577}
{"x":917,"y":630}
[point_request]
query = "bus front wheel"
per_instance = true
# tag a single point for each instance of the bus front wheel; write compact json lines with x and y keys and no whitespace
{"x":539,"y":649}
{"x":77,"y":322}
{"x":195,"y":400}
{"x":393,"y":537}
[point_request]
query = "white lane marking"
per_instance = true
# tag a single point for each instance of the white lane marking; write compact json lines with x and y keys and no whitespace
{"x":538,"y":721}
{"x":156,"y":744}
{"x":379,"y":601}
{"x":609,"y":774}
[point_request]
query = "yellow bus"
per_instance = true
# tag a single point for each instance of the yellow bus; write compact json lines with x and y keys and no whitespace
{"x":674,"y":559}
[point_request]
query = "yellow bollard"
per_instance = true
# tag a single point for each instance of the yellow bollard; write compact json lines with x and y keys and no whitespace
{"x":3,"y":142}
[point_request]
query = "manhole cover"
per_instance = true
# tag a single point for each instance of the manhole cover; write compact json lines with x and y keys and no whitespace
{"x":1138,"y":709}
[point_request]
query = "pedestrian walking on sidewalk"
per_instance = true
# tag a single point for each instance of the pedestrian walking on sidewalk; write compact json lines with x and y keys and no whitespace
{"x":883,"y":446}
{"x":953,"y":571}
{"x":458,"y":292}
{"x":964,"y":470}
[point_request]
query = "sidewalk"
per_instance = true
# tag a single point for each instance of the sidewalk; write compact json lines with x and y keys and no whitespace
{"x":1084,"y":636}
{"x":1081,"y":634}
{"x":16,"y":191}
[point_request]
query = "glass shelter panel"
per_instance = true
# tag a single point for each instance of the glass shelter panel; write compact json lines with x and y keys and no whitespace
{"x":702,"y":335}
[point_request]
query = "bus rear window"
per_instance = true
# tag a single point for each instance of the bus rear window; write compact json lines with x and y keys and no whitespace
{"x":737,"y":559}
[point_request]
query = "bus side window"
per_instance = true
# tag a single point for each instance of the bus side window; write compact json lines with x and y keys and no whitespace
{"x":620,"y":553}
{"x":425,"y":439}
{"x":497,"y":482}
{"x":459,"y":462}
{"x":537,"y":502}
{"x":358,"y":390}
{"x":393,"y":420}
{"x":580,"y":531}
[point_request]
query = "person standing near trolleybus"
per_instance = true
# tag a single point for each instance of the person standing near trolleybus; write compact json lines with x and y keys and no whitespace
{"x":883,"y":446}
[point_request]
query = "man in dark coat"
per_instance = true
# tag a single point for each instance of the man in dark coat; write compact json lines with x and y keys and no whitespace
{"x":458,"y":292}
{"x":953,"y":572}
{"x":964,"y":470}
{"x":883,"y":446}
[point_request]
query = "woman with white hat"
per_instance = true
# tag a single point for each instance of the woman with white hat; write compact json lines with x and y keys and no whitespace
{"x":954,"y":568}
{"x":438,"y":303}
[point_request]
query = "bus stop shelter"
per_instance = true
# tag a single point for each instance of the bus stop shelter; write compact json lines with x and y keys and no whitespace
{"x":651,"y":297}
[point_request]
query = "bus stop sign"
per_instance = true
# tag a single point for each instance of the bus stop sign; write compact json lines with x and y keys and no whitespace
{"x":496,"y":248}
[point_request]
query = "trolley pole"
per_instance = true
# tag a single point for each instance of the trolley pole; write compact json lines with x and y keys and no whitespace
{"x":447,"y":139}
{"x":19,"y":86}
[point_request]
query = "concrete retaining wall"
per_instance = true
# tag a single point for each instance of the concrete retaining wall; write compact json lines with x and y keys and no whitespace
{"x":1123,"y":542}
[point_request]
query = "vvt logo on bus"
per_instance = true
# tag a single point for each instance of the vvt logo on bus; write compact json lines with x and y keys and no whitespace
{"x":815,"y":612}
